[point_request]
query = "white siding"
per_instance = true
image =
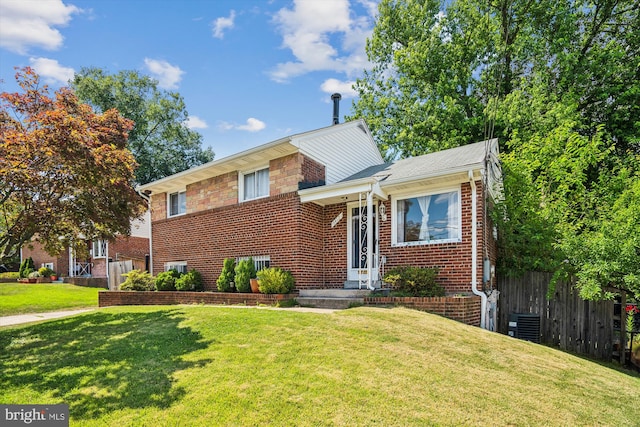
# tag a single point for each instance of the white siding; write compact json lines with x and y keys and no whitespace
{"x":344,"y":149}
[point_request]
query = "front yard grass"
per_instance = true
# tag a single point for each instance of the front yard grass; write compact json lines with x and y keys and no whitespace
{"x":203,"y":366}
{"x":20,"y":298}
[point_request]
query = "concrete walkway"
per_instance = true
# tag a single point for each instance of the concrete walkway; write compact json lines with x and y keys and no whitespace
{"x":19,"y":319}
{"x":35,"y":317}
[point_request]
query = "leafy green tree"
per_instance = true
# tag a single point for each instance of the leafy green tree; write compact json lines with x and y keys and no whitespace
{"x":441,"y":74}
{"x":558,"y":82}
{"x":65,"y":171}
{"x":160,"y":141}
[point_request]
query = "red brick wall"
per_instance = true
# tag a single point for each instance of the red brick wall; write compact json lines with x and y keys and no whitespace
{"x":312,"y":171}
{"x":462,"y":309}
{"x":40,"y":256}
{"x":452,"y":259}
{"x":277,"y":226}
{"x":110,"y":298}
{"x":335,"y":246}
{"x":129,"y":247}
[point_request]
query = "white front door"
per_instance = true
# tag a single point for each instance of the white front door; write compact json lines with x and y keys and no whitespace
{"x":357,"y":227}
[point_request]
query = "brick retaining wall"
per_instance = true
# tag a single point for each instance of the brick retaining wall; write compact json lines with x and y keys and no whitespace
{"x":88,"y":282}
{"x":463,"y":309}
{"x":109,"y":298}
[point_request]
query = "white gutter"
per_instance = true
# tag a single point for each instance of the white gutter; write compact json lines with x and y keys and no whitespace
{"x":474,"y":251}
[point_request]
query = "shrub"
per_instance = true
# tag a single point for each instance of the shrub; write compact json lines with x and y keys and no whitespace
{"x":191,"y":281}
{"x":274,"y":280}
{"x":166,"y":281}
{"x":46,"y":272}
{"x":138,"y":280}
{"x":414,"y":282}
{"x":32,"y":274}
{"x":245,"y":271}
{"x":10,"y":275}
{"x":227,"y":276}
{"x":24,"y":265}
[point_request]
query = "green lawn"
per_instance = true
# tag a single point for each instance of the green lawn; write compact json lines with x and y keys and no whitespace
{"x":204,"y":366}
{"x":19,"y":298}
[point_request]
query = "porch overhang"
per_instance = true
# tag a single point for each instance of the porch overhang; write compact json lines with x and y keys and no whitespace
{"x":342,"y":192}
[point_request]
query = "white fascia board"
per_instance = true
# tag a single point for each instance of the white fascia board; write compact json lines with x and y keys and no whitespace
{"x":476,"y":167}
{"x":341,"y":190}
{"x":184,"y":175}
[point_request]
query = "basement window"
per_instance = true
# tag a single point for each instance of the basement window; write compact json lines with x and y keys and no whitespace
{"x":259,"y":261}
{"x":179,"y":266}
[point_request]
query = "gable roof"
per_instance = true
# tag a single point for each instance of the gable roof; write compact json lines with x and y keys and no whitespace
{"x":452,"y":165}
{"x":343,"y":149}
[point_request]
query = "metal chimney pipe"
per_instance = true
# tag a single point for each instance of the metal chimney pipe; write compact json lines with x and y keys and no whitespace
{"x":336,"y":97}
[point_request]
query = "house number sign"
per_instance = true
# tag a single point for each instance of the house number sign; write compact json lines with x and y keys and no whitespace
{"x":336,"y":220}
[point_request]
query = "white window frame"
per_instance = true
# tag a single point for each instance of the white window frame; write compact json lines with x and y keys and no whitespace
{"x":394,"y":217}
{"x":259,"y":261}
{"x":242,"y":190}
{"x":180,"y":266}
{"x":99,"y":248}
{"x":48,"y":265}
{"x":178,"y":192}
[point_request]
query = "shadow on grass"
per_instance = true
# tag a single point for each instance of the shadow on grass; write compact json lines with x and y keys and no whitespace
{"x":100,"y":362}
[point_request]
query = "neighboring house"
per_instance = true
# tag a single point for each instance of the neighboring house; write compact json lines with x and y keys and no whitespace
{"x":325,"y":206}
{"x":134,"y":247}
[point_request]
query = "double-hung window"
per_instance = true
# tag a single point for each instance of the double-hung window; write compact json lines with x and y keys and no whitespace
{"x":427,"y":218}
{"x":255,"y":184}
{"x":177,"y":203}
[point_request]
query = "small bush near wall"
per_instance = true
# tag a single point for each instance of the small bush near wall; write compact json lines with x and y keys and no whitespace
{"x":274,"y":280}
{"x":191,"y":281}
{"x":166,"y":281}
{"x":414,"y":282}
{"x":227,"y":276}
{"x":245,"y":271}
{"x":138,"y":281}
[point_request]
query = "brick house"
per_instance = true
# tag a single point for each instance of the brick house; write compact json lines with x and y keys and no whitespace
{"x":324,"y":205}
{"x":134,"y":247}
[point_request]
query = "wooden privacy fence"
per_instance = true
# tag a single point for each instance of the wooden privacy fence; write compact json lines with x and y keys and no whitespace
{"x":566,"y":320}
{"x":116,"y":271}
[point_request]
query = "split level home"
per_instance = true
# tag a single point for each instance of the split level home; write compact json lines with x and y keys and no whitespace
{"x":78,"y":268}
{"x":324,"y":205}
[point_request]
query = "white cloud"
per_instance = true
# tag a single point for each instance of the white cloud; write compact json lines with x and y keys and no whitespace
{"x":195,"y":122}
{"x":343,"y":88}
{"x":26,"y":24}
{"x":252,"y":125}
{"x":51,"y":71}
{"x":168,"y":75}
{"x":221,"y":24}
{"x":322,"y":35}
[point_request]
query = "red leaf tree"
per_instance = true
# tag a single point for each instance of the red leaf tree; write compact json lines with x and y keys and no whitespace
{"x":65,"y":171}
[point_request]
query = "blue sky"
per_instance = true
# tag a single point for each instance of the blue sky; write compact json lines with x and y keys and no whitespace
{"x":249,"y":71}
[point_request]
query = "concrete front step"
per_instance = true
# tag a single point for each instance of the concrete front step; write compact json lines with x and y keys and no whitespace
{"x":335,"y":303}
{"x":332,"y":298}
{"x":334,"y":293}
{"x":355,"y":284}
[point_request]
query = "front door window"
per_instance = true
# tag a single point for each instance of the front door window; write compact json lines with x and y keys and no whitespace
{"x":358,"y":247}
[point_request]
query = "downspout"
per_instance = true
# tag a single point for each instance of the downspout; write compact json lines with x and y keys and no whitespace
{"x":474,"y":251}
